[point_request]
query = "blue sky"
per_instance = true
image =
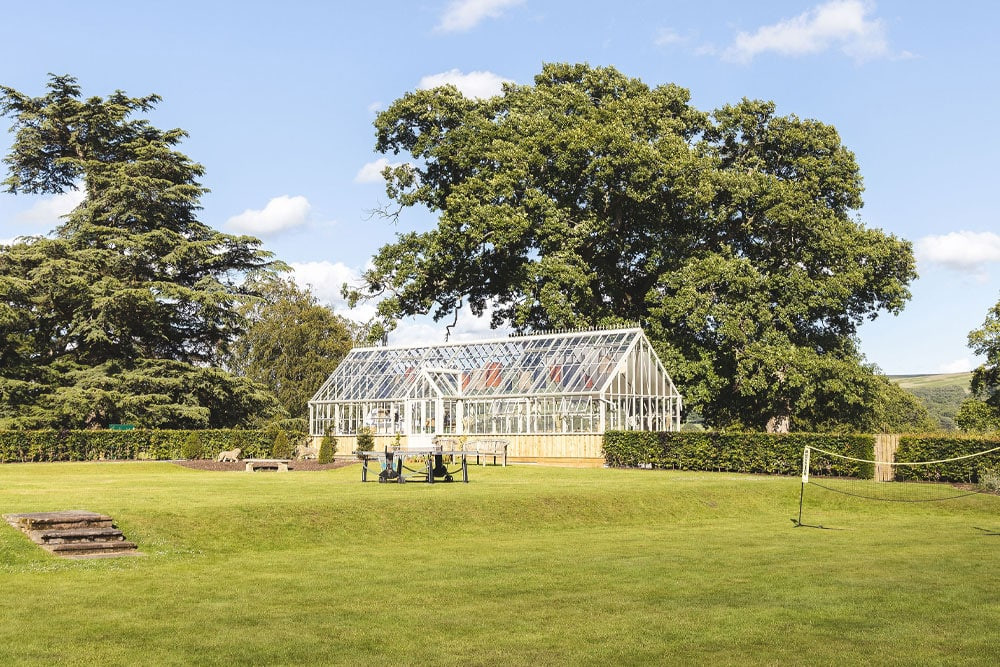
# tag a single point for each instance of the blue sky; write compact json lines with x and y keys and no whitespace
{"x":279,"y":100}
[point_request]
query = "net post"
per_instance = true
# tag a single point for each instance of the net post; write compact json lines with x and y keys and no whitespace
{"x":805,"y":480}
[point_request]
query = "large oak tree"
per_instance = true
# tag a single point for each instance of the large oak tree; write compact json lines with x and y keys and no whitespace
{"x":590,"y":197}
{"x":123,"y":311}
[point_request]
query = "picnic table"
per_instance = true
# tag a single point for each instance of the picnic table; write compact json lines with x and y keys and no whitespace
{"x":392,"y":464}
{"x":280,"y":465}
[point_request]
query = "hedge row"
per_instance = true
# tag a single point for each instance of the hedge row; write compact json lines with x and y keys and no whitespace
{"x":766,"y":453}
{"x":28,"y":446}
{"x":914,"y":448}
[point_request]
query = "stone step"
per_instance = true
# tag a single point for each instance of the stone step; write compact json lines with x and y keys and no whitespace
{"x":74,"y":534}
{"x":91,"y":548}
{"x":59,"y":520}
{"x":77,"y":535}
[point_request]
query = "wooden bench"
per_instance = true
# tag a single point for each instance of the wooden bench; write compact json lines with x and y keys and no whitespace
{"x":280,"y":465}
{"x":486,"y":448}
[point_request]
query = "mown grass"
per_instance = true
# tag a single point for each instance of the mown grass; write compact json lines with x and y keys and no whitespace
{"x":523,"y":565}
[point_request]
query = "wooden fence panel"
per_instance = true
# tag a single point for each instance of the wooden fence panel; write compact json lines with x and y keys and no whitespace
{"x":885,"y":452}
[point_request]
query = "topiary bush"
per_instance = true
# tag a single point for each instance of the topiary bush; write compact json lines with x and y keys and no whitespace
{"x":192,"y":448}
{"x":327,"y":448}
{"x":282,"y":447}
{"x":365,"y":440}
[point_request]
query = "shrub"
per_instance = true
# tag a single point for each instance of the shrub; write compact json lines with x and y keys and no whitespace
{"x":365,"y":441}
{"x":66,"y":445}
{"x":989,"y":479}
{"x":192,"y":448}
{"x":282,"y":446}
{"x":327,"y":448}
{"x":914,"y":448}
{"x":768,"y":453}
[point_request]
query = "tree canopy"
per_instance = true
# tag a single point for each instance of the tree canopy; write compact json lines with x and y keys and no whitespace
{"x":590,"y":197}
{"x":119,"y":314}
{"x":292,"y":343}
{"x":981,"y":412}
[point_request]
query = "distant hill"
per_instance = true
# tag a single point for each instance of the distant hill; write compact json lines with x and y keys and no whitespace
{"x":937,"y":380}
{"x":942,"y":393}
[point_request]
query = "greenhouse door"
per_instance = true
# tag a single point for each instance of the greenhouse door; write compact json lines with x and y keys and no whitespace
{"x":420,"y":417}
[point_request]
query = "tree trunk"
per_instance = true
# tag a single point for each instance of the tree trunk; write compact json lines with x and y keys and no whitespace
{"x":779,"y":424}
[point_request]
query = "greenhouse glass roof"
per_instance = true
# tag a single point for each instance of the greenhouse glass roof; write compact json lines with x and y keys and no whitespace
{"x":574,"y":362}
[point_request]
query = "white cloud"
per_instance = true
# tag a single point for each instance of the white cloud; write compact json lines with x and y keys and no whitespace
{"x":375,"y":107}
{"x":372,"y":171}
{"x":467,"y":14}
{"x":279,"y":214}
{"x":962,"y":365}
{"x":325,"y":280}
{"x":964,"y":251}
{"x":473,"y":84}
{"x":424,"y":330}
{"x":839,"y":23}
{"x":48,"y":211}
{"x":665,"y":36}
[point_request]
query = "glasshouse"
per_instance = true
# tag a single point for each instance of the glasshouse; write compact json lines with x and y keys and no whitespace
{"x":549,"y":395}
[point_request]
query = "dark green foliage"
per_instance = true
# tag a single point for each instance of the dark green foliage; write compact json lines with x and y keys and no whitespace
{"x":327,"y":448}
{"x":282,"y":447}
{"x":986,"y":342}
{"x":977,"y":416}
{"x":193,"y":448}
{"x":292,"y":343}
{"x":981,"y":413}
{"x":93,"y":445}
{"x":764,"y":453}
{"x":942,"y":403}
{"x":589,"y":197}
{"x":914,"y":448}
{"x":365,"y":440}
{"x":120,"y":314}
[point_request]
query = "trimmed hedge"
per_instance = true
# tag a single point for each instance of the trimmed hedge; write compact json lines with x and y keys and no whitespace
{"x":32,"y":446}
{"x":764,"y":453}
{"x":913,"y":448}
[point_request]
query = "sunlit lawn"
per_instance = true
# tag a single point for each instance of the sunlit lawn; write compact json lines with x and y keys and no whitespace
{"x":522,"y":565}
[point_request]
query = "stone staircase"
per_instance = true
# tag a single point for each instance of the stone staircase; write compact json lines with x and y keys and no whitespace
{"x":74,"y":533}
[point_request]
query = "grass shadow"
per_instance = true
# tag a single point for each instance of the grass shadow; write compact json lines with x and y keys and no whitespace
{"x":809,"y":525}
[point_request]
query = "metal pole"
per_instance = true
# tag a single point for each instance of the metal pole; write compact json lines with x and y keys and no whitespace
{"x":802,"y":492}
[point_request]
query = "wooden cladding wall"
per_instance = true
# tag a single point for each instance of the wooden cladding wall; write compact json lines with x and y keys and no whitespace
{"x":573,"y":449}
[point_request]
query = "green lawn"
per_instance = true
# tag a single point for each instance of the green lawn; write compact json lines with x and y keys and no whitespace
{"x":522,"y":565}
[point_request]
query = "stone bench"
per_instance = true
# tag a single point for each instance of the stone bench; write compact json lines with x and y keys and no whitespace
{"x":279,"y":465}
